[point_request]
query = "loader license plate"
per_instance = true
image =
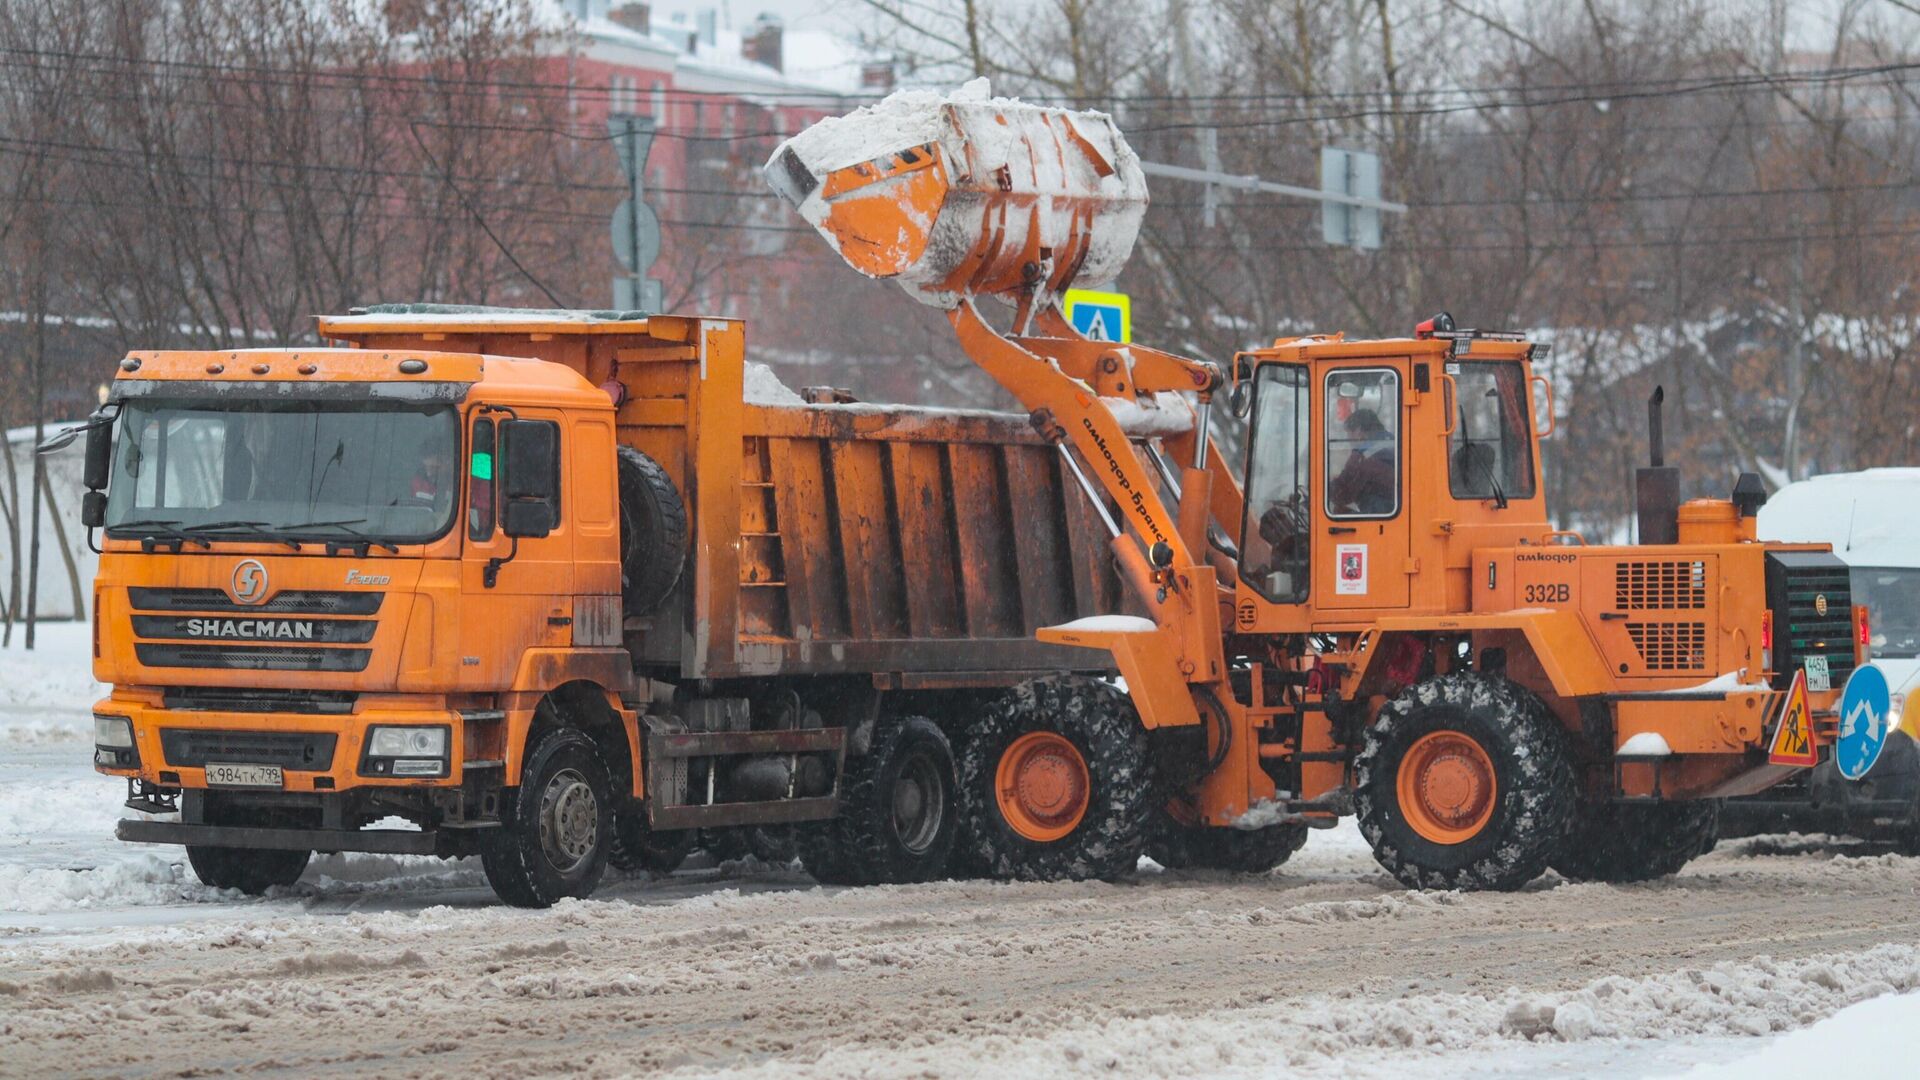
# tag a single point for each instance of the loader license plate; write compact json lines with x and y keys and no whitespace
{"x":1818,"y":677}
{"x":261,"y":776}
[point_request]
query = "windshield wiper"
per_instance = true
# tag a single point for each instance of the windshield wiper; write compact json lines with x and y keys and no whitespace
{"x":169,"y":531}
{"x":266,"y":533}
{"x":345,"y":526}
{"x":1486,"y":465}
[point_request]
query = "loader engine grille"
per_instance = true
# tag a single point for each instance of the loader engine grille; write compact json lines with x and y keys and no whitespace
{"x":1675,"y":585}
{"x":1812,"y":603}
{"x":301,"y":750}
{"x":1670,"y":646}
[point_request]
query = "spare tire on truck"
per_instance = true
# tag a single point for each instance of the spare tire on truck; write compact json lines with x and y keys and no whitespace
{"x":653,"y":532}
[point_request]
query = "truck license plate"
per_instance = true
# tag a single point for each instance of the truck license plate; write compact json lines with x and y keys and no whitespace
{"x":1818,"y":677}
{"x":224,"y":775}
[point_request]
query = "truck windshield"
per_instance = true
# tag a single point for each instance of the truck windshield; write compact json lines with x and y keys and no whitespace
{"x":1892,"y":596}
{"x":284,"y":469}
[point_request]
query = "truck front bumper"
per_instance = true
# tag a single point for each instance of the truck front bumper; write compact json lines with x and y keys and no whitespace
{"x":379,"y":841}
{"x":314,"y":752}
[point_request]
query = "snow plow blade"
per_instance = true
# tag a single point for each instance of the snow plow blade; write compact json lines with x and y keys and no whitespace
{"x":966,"y":195}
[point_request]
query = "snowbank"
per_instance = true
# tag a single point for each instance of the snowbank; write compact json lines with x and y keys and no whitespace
{"x":48,"y":694}
{"x":763,"y":387}
{"x":1358,"y":1034}
{"x":1873,"y":1039}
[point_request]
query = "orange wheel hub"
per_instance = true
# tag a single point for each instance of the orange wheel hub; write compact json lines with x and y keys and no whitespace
{"x":1446,"y":787}
{"x":1042,"y":786}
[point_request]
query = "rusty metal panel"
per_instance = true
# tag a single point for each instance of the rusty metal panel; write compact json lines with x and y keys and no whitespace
{"x":875,"y":574}
{"x":924,"y":503}
{"x":983,"y":528}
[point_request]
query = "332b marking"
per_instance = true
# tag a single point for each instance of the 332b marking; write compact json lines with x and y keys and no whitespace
{"x":1549,"y":594}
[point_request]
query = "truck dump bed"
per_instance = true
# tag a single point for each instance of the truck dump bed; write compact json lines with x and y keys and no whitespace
{"x":919,"y":546}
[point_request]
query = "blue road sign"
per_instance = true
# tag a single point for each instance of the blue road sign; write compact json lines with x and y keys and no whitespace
{"x":1102,"y":316}
{"x":1865,"y":709}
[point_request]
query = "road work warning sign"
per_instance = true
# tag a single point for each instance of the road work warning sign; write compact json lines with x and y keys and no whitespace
{"x":1102,"y":316}
{"x":1793,"y":737}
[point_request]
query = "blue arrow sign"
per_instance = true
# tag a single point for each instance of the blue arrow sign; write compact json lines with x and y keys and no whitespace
{"x":1865,"y":709}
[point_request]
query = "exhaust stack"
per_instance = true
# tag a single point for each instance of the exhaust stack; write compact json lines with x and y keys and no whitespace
{"x":1657,"y":485}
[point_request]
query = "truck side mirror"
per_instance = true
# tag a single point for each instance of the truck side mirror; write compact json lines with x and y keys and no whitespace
{"x":531,"y":453}
{"x":1240,"y":399}
{"x":93,"y":509}
{"x":99,"y":453}
{"x":529,"y":518}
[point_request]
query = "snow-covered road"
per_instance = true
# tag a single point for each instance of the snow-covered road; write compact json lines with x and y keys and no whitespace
{"x":114,"y":960}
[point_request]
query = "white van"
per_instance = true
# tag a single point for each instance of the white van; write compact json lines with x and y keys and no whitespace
{"x":1870,"y":519}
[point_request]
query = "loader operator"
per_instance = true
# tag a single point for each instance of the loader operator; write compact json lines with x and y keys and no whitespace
{"x":1365,"y":484}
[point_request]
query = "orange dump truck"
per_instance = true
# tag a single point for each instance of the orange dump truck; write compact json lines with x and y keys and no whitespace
{"x":550,"y":588}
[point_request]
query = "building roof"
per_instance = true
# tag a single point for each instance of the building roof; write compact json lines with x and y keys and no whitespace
{"x":815,"y":61}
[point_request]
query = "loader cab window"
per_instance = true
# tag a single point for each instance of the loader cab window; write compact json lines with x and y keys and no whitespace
{"x":1274,"y":532}
{"x":1490,"y":453}
{"x":480,"y":472}
{"x":1363,"y":443}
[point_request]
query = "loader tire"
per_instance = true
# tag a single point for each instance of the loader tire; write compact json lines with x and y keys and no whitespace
{"x":822,"y":854}
{"x":653,"y":532}
{"x":637,"y":845}
{"x":897,"y":814}
{"x":1056,"y":783}
{"x":1463,"y":782}
{"x":1625,"y":842}
{"x":556,"y":827}
{"x":1178,"y":845}
{"x":251,"y":870}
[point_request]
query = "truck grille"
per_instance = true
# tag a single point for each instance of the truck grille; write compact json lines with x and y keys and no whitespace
{"x":253,"y":637}
{"x":1799,"y":585}
{"x":257,"y":699}
{"x":301,"y":750}
{"x":291,"y":602}
{"x":252,"y":657}
{"x":1676,"y":585}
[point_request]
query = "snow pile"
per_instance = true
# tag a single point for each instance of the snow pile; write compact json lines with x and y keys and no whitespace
{"x":158,"y":876}
{"x":763,"y":387}
{"x":49,"y":692}
{"x":1078,"y":185}
{"x":1872,"y":1039}
{"x":1164,"y":413}
{"x":1645,"y":744}
{"x":1357,"y":1034}
{"x":1109,"y":624}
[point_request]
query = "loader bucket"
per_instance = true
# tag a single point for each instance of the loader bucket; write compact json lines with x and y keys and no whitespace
{"x":966,"y":195}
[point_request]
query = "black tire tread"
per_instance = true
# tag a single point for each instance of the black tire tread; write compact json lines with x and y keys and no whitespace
{"x":638,"y":846}
{"x":1100,"y":719}
{"x":513,"y":863}
{"x":1535,"y":772}
{"x":651,"y":562}
{"x":251,"y":870}
{"x":859,"y":846}
{"x":1240,"y":851}
{"x":1626,"y":842}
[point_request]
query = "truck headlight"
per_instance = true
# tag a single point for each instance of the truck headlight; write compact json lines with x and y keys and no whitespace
{"x":113,"y":742}
{"x":407,"y":742}
{"x":406,"y":751}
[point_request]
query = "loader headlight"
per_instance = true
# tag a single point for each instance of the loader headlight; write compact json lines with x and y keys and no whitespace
{"x":406,"y":751}
{"x":113,"y":743}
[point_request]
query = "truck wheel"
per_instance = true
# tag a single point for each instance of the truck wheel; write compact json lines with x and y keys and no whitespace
{"x":639,"y":846}
{"x":1623,"y":842}
{"x":823,"y":855}
{"x":251,"y":870}
{"x":1463,"y":783}
{"x":897,"y":815}
{"x":653,"y":532}
{"x":1056,"y":783}
{"x":1179,"y":843}
{"x":556,"y":827}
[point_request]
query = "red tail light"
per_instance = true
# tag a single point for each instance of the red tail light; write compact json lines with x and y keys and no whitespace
{"x":1766,"y":629}
{"x":1863,"y":630}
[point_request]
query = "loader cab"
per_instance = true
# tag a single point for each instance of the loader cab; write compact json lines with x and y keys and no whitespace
{"x":1372,"y":463}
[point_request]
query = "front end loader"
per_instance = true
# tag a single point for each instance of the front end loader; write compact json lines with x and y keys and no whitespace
{"x":1380,"y":621}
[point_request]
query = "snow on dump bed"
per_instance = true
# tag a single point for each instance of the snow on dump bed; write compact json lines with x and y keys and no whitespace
{"x":763,"y":387}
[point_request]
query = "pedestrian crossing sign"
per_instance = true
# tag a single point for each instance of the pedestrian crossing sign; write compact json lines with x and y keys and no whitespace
{"x":1793,"y":736}
{"x":1101,"y":316}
